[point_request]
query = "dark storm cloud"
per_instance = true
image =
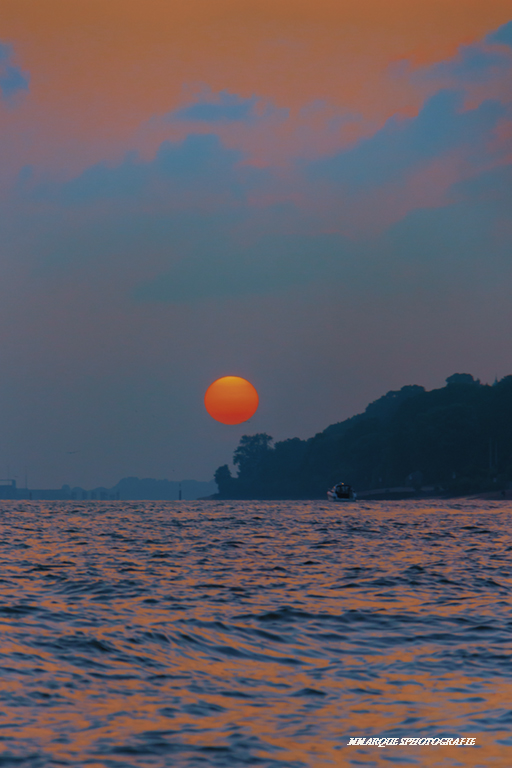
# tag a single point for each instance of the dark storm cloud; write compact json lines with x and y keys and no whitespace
{"x":12,"y":78}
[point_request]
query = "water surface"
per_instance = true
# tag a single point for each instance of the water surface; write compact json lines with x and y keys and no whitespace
{"x":139,"y":634}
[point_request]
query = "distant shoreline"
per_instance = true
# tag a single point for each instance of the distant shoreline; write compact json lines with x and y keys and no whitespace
{"x":391,"y":494}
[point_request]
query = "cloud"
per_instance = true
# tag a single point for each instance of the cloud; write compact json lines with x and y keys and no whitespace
{"x":198,"y":170}
{"x":225,"y":267}
{"x":12,"y":79}
{"x":404,"y":144}
{"x":454,"y":242}
{"x":473,"y":64}
{"x":492,"y":188}
{"x":222,"y":107}
{"x":479,"y":71}
{"x":502,"y":36}
{"x":196,"y":222}
{"x":411,"y":163}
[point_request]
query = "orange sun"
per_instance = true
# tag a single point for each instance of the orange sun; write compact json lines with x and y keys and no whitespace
{"x":231,"y":400}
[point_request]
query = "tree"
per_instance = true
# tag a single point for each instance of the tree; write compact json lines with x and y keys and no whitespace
{"x":224,"y":480}
{"x":250,"y":455}
{"x":462,"y":378}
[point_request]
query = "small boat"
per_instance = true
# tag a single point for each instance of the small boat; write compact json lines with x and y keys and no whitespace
{"x":341,"y":492}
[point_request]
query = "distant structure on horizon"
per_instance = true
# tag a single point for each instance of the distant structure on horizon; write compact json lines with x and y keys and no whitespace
{"x":128,"y":489}
{"x":8,"y":489}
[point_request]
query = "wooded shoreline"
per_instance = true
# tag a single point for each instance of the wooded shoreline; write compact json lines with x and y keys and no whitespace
{"x":411,"y":443}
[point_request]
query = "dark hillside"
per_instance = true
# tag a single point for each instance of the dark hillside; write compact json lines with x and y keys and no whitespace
{"x":457,"y":438}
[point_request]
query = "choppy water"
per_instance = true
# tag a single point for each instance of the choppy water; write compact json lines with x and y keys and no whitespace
{"x":245,"y":633}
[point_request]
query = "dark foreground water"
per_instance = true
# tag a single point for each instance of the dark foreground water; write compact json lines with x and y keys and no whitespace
{"x":244,"y":633}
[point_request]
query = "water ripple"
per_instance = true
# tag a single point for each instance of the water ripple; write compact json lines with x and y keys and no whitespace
{"x":253,"y":633}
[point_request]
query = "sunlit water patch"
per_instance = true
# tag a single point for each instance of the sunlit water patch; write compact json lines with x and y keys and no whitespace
{"x":247,"y":633}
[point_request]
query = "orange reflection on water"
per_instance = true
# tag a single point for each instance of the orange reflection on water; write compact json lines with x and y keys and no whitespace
{"x":285,"y":628}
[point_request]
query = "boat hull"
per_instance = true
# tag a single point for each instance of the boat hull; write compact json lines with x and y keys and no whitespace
{"x":340,"y":499}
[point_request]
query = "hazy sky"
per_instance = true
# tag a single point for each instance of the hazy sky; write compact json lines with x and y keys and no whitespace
{"x":313,"y":194}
